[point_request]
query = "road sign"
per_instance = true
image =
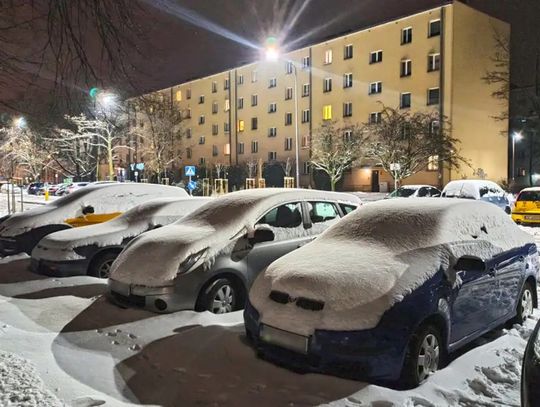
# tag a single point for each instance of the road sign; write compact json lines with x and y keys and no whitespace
{"x":68,"y":181}
{"x":189,"y":170}
{"x":192,"y":185}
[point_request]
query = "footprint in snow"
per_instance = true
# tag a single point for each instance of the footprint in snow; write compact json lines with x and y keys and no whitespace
{"x":135,"y":347}
{"x":132,"y":336}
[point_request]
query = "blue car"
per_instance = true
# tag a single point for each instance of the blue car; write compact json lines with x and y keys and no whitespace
{"x":487,"y":191}
{"x":393,"y":288}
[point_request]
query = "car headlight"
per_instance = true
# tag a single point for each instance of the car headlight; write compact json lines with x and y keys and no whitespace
{"x":191,"y":260}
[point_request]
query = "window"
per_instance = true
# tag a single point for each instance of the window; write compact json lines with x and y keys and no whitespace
{"x":434,"y":62}
{"x":433,"y":163}
{"x":375,"y":87}
{"x":288,"y":119}
{"x":227,"y":105}
{"x":240,"y":103}
{"x":254,"y":123}
{"x":328,"y":57}
{"x":240,"y":79}
{"x":347,"y":136}
{"x":433,"y":96}
{"x":347,"y":80}
{"x":284,"y":216}
{"x":405,"y":100}
{"x":227,"y":149}
{"x":202,"y":140}
{"x":374,"y":117}
{"x":272,"y":132}
{"x":320,"y":212}
{"x":254,"y":100}
{"x":253,"y":76}
{"x":272,"y":155}
{"x":188,"y":113}
{"x":434,"y":28}
{"x":202,"y":161}
{"x":327,"y":112}
{"x":240,"y":148}
{"x":215,"y":129}
{"x":406,"y":68}
{"x":305,"y":62}
{"x":201,"y":119}
{"x":305,"y":167}
{"x":288,"y":93}
{"x":188,"y":133}
{"x":272,"y":83}
{"x":240,"y":125}
{"x":346,"y":209}
{"x":289,"y":67}
{"x":188,"y":152}
{"x":214,"y":150}
{"x":305,"y":116}
{"x":214,"y":87}
{"x":254,"y":147}
{"x":305,"y":89}
{"x":348,"y":51}
{"x":178,"y":95}
{"x":226,"y":84}
{"x":214,"y":107}
{"x":434,"y":127}
{"x":406,"y":35}
{"x":201,"y":99}
{"x":327,"y":84}
{"x":272,"y":107}
{"x":288,"y":143}
{"x":226,"y":127}
{"x":375,"y":56}
{"x":347,"y":109}
{"x":188,"y":93}
{"x":305,"y":141}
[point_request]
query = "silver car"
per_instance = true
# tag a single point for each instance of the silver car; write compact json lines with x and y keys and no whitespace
{"x":209,"y":259}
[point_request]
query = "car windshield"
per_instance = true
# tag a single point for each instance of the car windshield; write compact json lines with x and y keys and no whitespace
{"x":222,"y":211}
{"x":404,"y":192}
{"x":529,"y":196}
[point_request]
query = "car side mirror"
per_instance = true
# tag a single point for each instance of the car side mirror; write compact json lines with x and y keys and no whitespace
{"x":88,"y":210}
{"x":469,"y":263}
{"x":261,"y":235}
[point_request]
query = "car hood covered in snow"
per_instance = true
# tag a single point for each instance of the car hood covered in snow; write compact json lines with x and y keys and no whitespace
{"x":105,"y":198}
{"x":153,"y":258}
{"x":157,"y":212}
{"x":371,"y":259}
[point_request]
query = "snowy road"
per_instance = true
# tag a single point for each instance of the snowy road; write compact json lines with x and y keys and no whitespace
{"x":87,"y":352}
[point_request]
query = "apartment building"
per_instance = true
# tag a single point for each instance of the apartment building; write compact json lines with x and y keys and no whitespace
{"x":434,"y":59}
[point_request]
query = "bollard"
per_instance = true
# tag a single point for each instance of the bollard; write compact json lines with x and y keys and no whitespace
{"x":46,"y":194}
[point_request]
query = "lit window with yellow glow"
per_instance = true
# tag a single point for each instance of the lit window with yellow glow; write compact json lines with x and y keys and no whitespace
{"x":240,"y":125}
{"x":327,"y":112}
{"x":433,"y":163}
{"x":178,"y":95}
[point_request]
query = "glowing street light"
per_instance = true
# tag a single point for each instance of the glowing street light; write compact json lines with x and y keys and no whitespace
{"x":516,"y":136}
{"x":272,"y":54}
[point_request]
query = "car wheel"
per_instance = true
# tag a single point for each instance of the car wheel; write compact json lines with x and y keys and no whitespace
{"x":508,"y":210}
{"x":101,"y":265}
{"x":525,"y":304}
{"x":220,"y":297}
{"x":423,"y":356}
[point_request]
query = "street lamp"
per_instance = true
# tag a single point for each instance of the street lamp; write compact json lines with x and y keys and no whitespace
{"x":516,"y":136}
{"x":272,"y":54}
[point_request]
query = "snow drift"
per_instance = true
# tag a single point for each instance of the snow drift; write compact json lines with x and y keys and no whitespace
{"x":367,"y":262}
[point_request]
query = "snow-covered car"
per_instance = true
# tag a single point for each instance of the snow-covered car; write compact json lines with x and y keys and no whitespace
{"x":34,"y":187}
{"x":208,"y":259}
{"x":527,"y":206}
{"x":9,"y":188}
{"x":20,"y":232}
{"x":415,"y":191}
{"x":92,"y":250}
{"x":388,"y":291}
{"x":484,"y":190}
{"x":530,"y":370}
{"x":75,"y":186}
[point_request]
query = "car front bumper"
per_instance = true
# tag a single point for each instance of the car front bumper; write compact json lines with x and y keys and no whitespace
{"x":60,"y":268}
{"x":367,"y":355}
{"x":526,"y":217}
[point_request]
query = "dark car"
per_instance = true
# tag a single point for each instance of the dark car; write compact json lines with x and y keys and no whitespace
{"x":388,"y":291}
{"x":34,"y":187}
{"x":530,"y":371}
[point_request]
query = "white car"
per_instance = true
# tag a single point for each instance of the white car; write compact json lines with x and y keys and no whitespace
{"x":8,"y":188}
{"x":415,"y":191}
{"x":484,"y":190}
{"x":21,"y":231}
{"x":91,"y":250}
{"x":76,"y":186}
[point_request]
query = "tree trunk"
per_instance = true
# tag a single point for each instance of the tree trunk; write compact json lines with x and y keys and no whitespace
{"x":332,"y":184}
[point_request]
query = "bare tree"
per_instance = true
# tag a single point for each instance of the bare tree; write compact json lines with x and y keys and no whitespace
{"x":73,"y":153}
{"x":336,"y":149}
{"x":406,"y":143}
{"x":161,"y":131}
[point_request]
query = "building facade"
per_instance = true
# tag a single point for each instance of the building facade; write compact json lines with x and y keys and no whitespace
{"x":430,"y":60}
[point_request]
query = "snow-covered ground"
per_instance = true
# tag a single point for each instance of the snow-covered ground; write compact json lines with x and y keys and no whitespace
{"x":29,"y":202}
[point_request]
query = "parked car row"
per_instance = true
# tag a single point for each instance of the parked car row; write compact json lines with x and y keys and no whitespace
{"x":381,"y":291}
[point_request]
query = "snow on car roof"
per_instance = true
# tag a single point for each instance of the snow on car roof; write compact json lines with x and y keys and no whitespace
{"x":375,"y":256}
{"x":105,"y":198}
{"x":470,"y":188}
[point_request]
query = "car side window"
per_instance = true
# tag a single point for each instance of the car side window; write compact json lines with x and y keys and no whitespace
{"x":347,"y":208}
{"x":284,"y":216}
{"x":423,"y":192}
{"x":320,"y":212}
{"x":435,"y":192}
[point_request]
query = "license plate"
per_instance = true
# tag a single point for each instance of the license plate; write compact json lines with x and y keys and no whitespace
{"x":532,"y":217}
{"x":285,"y":339}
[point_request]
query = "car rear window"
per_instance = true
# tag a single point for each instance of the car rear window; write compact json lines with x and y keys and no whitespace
{"x":529,"y":196}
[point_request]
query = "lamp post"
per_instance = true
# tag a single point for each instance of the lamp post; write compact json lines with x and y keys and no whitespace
{"x":104,"y":102}
{"x":516,"y":136}
{"x":272,"y":54}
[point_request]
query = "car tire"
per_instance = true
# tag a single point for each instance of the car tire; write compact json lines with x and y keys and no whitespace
{"x":101,"y":264}
{"x":525,"y":304}
{"x":423,"y":357}
{"x":220,"y":297}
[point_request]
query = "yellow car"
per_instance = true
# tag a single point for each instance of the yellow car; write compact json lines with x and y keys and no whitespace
{"x":527,"y":206}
